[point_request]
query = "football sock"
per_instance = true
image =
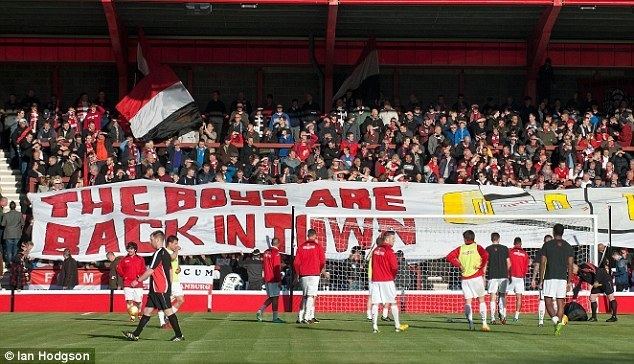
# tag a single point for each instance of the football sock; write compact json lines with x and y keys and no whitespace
{"x":394,"y":309}
{"x":517,"y":315}
{"x":483,"y":312}
{"x":493,"y":308}
{"x":541,"y":311}
{"x":161,"y":316}
{"x":310,"y":308}
{"x":375,"y":316}
{"x":555,"y":319}
{"x":302,"y":310}
{"x":142,"y":322}
{"x":594,"y":306}
{"x":275,"y":315}
{"x":385,"y":311}
{"x":613,"y":307}
{"x":174,"y":322}
{"x":369,"y":313}
{"x":502,"y":307}
{"x":468,"y":312}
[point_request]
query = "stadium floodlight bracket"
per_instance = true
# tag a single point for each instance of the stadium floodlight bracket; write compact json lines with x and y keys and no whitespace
{"x":198,"y":8}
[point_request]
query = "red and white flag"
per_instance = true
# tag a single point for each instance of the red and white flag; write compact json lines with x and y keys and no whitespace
{"x":367,"y":66}
{"x":159,"y":106}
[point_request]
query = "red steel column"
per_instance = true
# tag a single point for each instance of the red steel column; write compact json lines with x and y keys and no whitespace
{"x":537,"y":46}
{"x":331,"y":29}
{"x":119,"y":48}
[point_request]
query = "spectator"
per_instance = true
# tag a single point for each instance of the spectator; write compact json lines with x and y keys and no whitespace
{"x":115,"y":281}
{"x":216,"y":112}
{"x":252,"y":263}
{"x":67,"y":278}
{"x":13,"y":224}
{"x":21,"y":267}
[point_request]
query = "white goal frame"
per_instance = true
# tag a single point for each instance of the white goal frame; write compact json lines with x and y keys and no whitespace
{"x":547,"y":217}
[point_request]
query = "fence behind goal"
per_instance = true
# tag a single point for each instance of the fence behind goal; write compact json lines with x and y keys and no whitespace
{"x":426,"y":282}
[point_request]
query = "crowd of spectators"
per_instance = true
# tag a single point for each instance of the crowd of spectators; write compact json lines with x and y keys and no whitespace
{"x":550,"y":144}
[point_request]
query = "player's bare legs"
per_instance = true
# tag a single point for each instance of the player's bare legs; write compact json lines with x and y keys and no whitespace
{"x":177,"y":303}
{"x":550,"y":308}
{"x":129,"y":305}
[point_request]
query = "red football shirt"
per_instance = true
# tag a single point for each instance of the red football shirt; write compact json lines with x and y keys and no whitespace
{"x":310,"y":259}
{"x":384,"y":264}
{"x":519,"y":262}
{"x":271,"y":265}
{"x":130,"y":268}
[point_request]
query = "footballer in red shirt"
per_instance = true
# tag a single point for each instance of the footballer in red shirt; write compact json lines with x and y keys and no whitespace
{"x":130,"y":268}
{"x":272,"y":269}
{"x":309,"y":263}
{"x":382,"y":289}
{"x":519,"y":267}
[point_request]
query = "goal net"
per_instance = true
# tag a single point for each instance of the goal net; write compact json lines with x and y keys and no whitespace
{"x":426,"y":282}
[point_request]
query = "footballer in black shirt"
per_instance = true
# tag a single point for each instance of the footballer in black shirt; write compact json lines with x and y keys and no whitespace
{"x":160,"y":289}
{"x":555,"y":269}
{"x":601,"y":281}
{"x":497,"y":274}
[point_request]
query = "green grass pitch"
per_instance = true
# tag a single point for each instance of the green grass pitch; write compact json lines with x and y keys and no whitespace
{"x":340,"y":338}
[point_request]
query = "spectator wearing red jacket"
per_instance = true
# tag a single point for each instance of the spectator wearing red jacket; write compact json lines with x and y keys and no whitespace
{"x":519,"y":267}
{"x":271,"y":266}
{"x":95,"y":114}
{"x":561,"y":171}
{"x":130,"y":268}
{"x":303,"y":148}
{"x":384,"y":266}
{"x":351,"y":144}
{"x":625,"y":135}
{"x":309,"y":263}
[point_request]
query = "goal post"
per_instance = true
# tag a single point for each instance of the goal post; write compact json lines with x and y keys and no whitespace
{"x":427,"y":283}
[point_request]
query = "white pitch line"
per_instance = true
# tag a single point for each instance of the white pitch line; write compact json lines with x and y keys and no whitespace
{"x":87,"y":313}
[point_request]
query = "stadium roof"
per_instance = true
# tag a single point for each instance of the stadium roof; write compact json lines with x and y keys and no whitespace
{"x":422,"y":19}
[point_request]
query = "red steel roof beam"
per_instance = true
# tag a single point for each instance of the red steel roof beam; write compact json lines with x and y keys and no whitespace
{"x":329,"y":63}
{"x":400,"y":2}
{"x":356,"y":2}
{"x":119,"y":47}
{"x":538,"y":45}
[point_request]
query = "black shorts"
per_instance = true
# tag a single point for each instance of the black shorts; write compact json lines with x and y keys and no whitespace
{"x":606,"y":288}
{"x":160,"y":301}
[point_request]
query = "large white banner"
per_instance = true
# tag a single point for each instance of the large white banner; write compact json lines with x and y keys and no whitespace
{"x":227,"y":218}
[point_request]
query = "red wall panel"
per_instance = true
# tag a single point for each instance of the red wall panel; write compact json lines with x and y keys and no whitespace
{"x":296,"y":52}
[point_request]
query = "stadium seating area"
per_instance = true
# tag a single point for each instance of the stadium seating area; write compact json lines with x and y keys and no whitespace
{"x":574,"y":144}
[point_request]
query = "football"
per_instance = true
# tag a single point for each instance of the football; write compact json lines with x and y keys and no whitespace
{"x":133,"y":310}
